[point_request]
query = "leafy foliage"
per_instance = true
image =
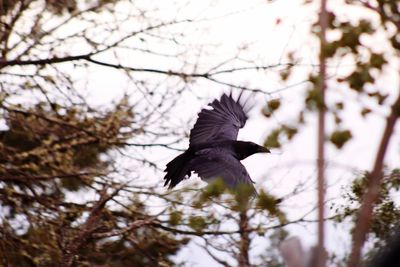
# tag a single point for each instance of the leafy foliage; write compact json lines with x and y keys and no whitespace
{"x":46,"y":154}
{"x":271,"y":107}
{"x":386,"y":212}
{"x":279,"y":135}
{"x":340,"y":137}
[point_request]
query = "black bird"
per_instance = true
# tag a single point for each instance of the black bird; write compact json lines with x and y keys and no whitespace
{"x":213,"y":149}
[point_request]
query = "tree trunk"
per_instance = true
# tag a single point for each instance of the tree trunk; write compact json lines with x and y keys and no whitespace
{"x":374,"y":182}
{"x":243,"y":258}
{"x":321,"y":254}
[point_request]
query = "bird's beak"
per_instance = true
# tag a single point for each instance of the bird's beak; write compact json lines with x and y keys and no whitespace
{"x":263,"y":149}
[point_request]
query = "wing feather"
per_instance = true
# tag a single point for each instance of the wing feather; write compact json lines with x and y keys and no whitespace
{"x":222,"y":122}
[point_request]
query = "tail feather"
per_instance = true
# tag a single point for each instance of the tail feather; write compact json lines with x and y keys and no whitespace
{"x":176,"y":170}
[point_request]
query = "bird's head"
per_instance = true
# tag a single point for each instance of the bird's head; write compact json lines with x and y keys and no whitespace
{"x":246,"y":149}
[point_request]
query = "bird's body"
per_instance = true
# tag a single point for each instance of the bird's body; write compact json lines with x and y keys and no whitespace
{"x":214,"y":151}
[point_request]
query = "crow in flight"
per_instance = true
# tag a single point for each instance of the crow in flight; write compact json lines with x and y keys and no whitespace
{"x":213,"y":149}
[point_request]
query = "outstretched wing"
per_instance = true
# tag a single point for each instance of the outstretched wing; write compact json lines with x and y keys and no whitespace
{"x":211,"y":164}
{"x":222,"y":122}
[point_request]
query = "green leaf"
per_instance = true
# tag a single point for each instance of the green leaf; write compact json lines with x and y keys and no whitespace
{"x":243,"y":193}
{"x":377,"y":60}
{"x":339,"y":138}
{"x":175,"y":218}
{"x":365,"y":112}
{"x":267,"y":202}
{"x":273,"y":139}
{"x":290,"y":131}
{"x":314,"y":98}
{"x":359,"y":78}
{"x":197,"y":223}
{"x":329,"y":49}
{"x":339,"y":106}
{"x":271,"y":107}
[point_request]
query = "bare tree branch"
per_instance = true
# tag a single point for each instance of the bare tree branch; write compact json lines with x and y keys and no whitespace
{"x":134,"y":225}
{"x":323,"y":22}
